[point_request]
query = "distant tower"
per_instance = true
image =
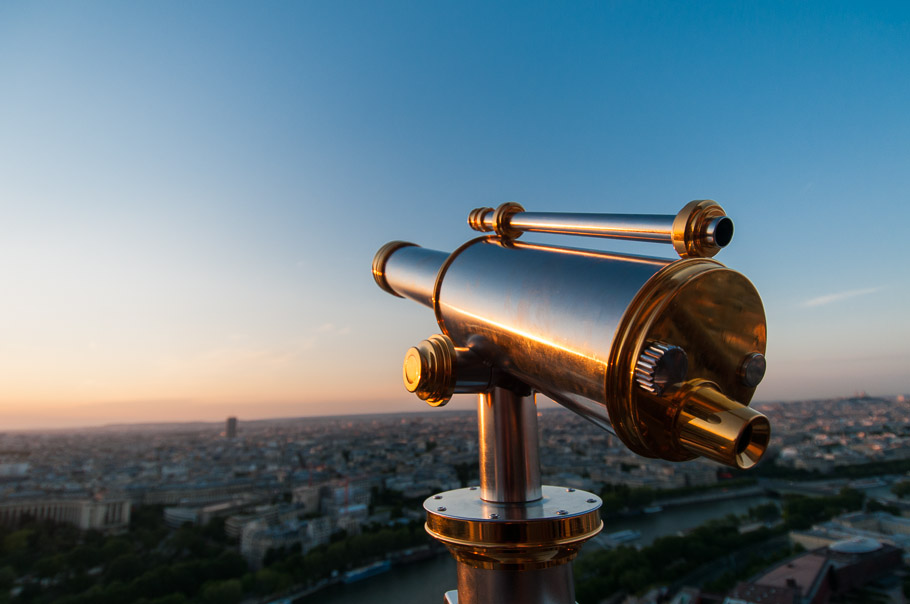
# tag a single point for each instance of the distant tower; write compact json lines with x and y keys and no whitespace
{"x":231,"y":429}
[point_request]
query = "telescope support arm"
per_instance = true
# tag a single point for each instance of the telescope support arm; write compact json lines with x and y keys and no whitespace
{"x":513,"y":539}
{"x":509,"y":459}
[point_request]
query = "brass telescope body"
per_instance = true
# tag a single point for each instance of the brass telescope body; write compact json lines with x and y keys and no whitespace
{"x":665,"y":354}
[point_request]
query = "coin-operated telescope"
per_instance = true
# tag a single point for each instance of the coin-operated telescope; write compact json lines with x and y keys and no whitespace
{"x":664,"y":354}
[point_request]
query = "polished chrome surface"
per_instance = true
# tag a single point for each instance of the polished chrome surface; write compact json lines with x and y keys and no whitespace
{"x":509,"y":461}
{"x":513,"y":536}
{"x":700,"y":229}
{"x":554,"y":585}
{"x":514,"y":552}
{"x":661,"y":366}
{"x":545,"y":316}
{"x":635,"y":227}
{"x":466,"y":504}
{"x":408,"y":271}
{"x":436,"y":369}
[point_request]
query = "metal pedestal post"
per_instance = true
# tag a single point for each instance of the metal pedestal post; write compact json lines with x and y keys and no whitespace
{"x":513,"y":539}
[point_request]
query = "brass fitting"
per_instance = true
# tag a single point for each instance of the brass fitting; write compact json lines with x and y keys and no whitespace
{"x":486,"y":220}
{"x":501,"y":217}
{"x":701,"y":229}
{"x":701,"y":407}
{"x":712,"y":425}
{"x":379,"y":262}
{"x":478,"y":221}
{"x":436,"y":369}
{"x":514,"y":537}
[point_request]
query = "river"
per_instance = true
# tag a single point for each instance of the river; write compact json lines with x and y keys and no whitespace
{"x":425,"y":582}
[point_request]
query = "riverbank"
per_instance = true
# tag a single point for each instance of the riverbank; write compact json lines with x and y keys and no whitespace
{"x":426,"y":581}
{"x":416,"y":583}
{"x":342,"y":581}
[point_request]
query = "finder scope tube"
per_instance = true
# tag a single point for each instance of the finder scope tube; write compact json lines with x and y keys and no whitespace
{"x":700,"y":229}
{"x":665,"y":353}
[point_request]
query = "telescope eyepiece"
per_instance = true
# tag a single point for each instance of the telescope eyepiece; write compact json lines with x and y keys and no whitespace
{"x":719,"y":231}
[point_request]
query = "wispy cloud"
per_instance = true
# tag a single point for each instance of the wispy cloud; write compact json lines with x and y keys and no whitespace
{"x":333,"y":329}
{"x":837,"y":297}
{"x":326,"y":328}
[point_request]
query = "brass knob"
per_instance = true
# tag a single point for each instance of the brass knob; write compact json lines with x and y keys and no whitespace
{"x":429,"y":370}
{"x":661,"y":365}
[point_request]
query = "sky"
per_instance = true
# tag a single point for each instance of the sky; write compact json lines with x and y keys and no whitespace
{"x":191,"y":193}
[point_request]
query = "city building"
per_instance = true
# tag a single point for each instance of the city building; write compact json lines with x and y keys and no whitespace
{"x":230,"y":430}
{"x":259,"y":537}
{"x":87,"y":514}
{"x":14,"y":466}
{"x":878,"y":526}
{"x":815,"y":577}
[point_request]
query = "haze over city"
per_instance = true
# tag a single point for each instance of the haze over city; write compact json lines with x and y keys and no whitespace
{"x":191,"y":194}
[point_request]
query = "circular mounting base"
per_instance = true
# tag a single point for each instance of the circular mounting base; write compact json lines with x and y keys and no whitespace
{"x":514,"y":536}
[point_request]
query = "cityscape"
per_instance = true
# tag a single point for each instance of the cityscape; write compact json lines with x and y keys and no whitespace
{"x":270,"y":490}
{"x":678,"y":225}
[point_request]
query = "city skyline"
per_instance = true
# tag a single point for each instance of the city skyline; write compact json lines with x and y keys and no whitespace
{"x":192,"y":194}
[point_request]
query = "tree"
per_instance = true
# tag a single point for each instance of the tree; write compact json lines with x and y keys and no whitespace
{"x":7,"y":577}
{"x":766,"y":512}
{"x":901,"y":489}
{"x":50,"y":566}
{"x":223,"y":592}
{"x":270,"y":581}
{"x":125,"y":568}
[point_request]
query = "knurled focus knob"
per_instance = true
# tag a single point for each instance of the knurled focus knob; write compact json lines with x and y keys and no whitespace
{"x":661,"y":365}
{"x":429,"y":370}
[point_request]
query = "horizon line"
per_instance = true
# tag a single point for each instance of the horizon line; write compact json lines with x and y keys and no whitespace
{"x":553,"y":406}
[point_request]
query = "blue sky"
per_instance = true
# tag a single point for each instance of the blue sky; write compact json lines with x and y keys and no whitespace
{"x":191,"y":193}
